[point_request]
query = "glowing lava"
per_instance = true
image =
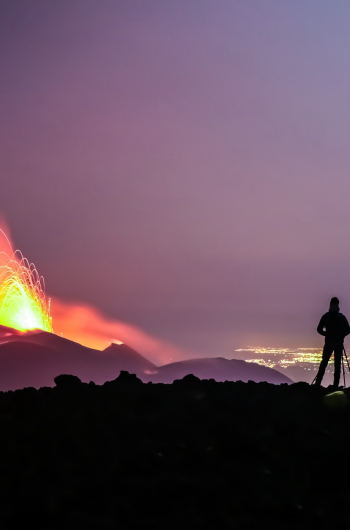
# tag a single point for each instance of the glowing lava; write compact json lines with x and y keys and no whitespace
{"x":23,"y":304}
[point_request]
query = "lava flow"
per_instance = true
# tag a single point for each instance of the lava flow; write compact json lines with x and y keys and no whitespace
{"x":23,"y":304}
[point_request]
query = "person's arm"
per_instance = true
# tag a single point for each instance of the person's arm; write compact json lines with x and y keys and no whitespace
{"x":320,"y":327}
{"x":346,"y":327}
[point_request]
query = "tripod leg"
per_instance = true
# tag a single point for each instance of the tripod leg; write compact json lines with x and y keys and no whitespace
{"x":347,"y":360}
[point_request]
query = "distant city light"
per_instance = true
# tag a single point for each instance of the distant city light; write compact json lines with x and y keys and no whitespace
{"x":285,"y":357}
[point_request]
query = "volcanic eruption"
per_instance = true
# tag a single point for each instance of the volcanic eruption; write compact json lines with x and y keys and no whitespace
{"x":23,"y":304}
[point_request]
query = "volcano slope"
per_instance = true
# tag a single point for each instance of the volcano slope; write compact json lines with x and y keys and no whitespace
{"x":191,"y":455}
{"x":34,"y":360}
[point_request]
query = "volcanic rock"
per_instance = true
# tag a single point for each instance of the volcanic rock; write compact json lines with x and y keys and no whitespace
{"x":195,"y":454}
{"x":67,"y":381}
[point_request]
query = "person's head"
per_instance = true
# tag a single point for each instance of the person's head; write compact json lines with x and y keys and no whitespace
{"x":334,"y":304}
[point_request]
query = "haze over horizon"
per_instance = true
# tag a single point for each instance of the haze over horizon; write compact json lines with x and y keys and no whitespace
{"x":182,"y":167}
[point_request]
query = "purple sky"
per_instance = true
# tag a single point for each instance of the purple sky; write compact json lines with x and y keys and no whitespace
{"x":183,"y":166}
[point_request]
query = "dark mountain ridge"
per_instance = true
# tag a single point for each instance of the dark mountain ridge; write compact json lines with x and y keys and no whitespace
{"x":220,"y":369}
{"x":35,"y":359}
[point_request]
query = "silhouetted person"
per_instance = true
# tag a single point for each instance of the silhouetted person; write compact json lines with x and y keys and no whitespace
{"x":334,"y":327}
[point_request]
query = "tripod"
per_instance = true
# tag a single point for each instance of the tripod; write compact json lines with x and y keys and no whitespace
{"x":342,"y":366}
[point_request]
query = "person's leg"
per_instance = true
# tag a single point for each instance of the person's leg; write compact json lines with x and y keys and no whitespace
{"x":338,"y":352}
{"x":327,"y":352}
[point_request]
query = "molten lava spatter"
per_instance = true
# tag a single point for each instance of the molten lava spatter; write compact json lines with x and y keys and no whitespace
{"x":23,"y":304}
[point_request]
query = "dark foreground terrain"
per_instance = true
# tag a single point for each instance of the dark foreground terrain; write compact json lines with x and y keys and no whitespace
{"x":191,"y":455}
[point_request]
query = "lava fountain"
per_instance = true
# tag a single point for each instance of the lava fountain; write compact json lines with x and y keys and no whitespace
{"x":23,"y":304}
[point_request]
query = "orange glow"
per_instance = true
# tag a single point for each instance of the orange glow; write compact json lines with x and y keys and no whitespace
{"x":88,"y":326}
